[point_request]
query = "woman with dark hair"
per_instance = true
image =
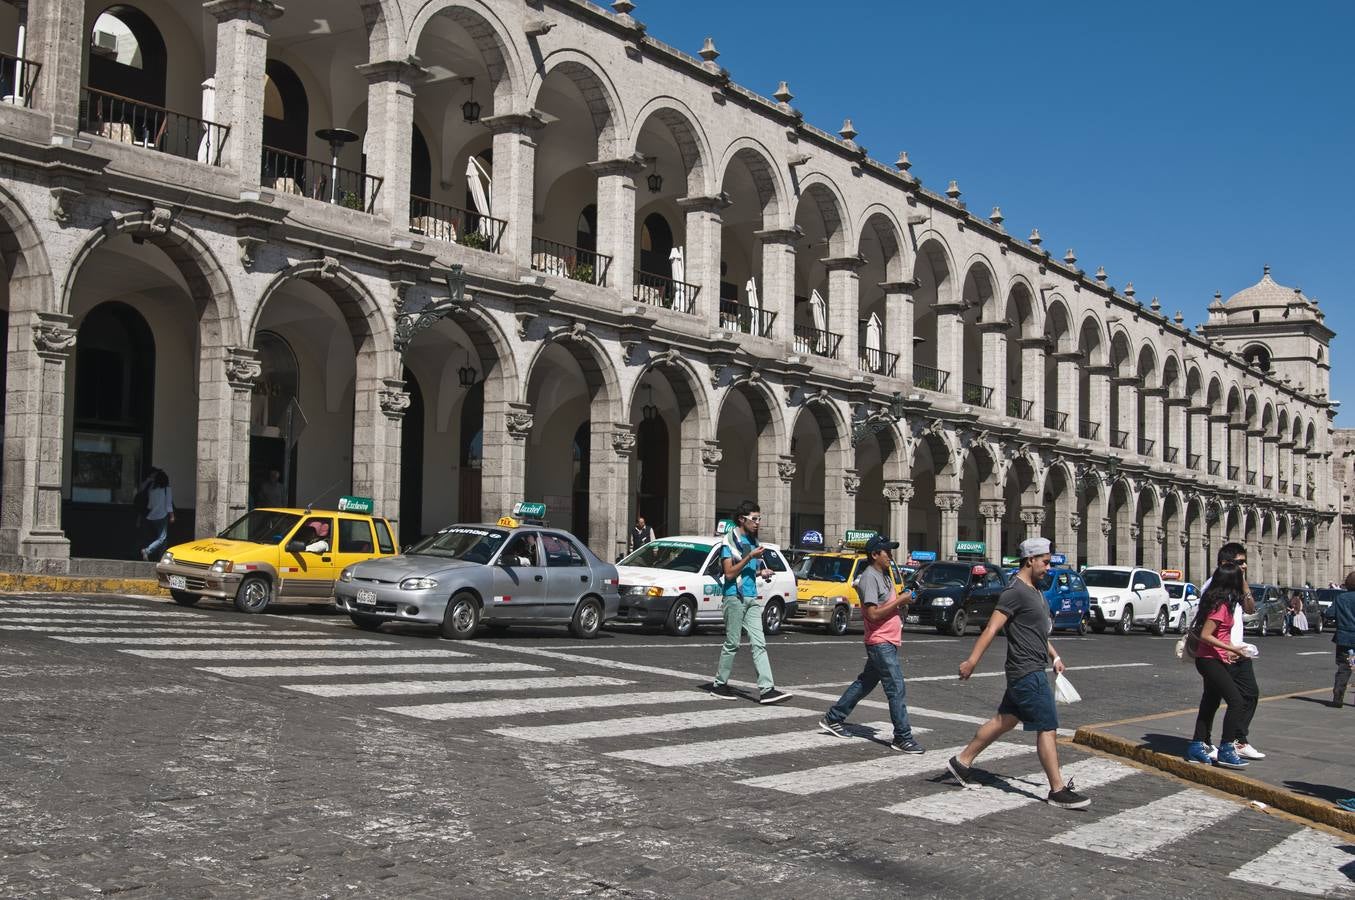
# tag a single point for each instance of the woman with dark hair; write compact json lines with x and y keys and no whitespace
{"x":159,"y":510}
{"x":1208,"y":643}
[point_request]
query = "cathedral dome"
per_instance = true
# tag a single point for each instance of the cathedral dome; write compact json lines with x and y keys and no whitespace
{"x":1266,"y":293}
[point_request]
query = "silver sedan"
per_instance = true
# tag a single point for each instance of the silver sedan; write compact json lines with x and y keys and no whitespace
{"x":468,"y":575}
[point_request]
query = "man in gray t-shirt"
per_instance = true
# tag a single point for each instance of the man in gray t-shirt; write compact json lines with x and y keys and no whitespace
{"x":1028,"y":700}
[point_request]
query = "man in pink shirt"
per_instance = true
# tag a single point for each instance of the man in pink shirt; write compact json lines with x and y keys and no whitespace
{"x":880,"y":608}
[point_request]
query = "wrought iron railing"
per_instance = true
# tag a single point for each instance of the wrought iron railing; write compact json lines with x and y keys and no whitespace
{"x":1170,"y":454}
{"x":1119,"y":439}
{"x":566,"y":261}
{"x":930,"y":378}
{"x":288,"y":173}
{"x":18,"y":77}
{"x":1251,"y":476}
{"x":1193,"y":460}
{"x":1019,"y":407}
{"x":816,"y":341}
{"x":1267,"y":481}
{"x":977,"y":394}
{"x":752,"y":320}
{"x":1088,"y":430}
{"x":129,"y":121}
{"x":1055,"y":419}
{"x":1233,"y":472}
{"x":455,"y":225}
{"x":880,"y":362}
{"x":1214,"y":466}
{"x":1146,"y":446}
{"x":660,"y":290}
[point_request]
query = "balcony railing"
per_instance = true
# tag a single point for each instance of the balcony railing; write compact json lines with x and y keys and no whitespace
{"x":1019,"y":407}
{"x":930,"y":378}
{"x":316,"y":179}
{"x":880,"y":362}
{"x":1267,"y":481}
{"x":977,"y":394}
{"x":1055,"y":419}
{"x":660,"y":290}
{"x":816,"y":341}
{"x":1146,"y":446}
{"x":455,"y":225}
{"x":1251,"y":476}
{"x":1119,"y":439}
{"x":1088,"y":430}
{"x":752,"y":320}
{"x":18,"y":77}
{"x":565,"y":261}
{"x":1192,"y":460}
{"x":130,"y":121}
{"x":1170,"y":454}
{"x":1233,"y":472}
{"x":1214,"y":466}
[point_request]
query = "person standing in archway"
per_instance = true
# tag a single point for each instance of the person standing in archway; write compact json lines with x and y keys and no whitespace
{"x":159,"y":510}
{"x":640,"y":534}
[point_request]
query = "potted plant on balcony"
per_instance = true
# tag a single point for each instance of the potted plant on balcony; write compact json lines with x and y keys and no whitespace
{"x":579,"y":271}
{"x":475,"y":240}
{"x":352,"y":200}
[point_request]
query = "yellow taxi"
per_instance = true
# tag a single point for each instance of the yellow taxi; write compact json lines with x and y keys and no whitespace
{"x":825,"y":585}
{"x":276,"y":554}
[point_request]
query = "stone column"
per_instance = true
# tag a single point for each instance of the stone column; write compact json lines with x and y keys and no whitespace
{"x":778,"y":282}
{"x":899,"y":494}
{"x":948,"y":503}
{"x":1154,"y":403}
{"x":775,"y":473}
{"x":1218,"y":445}
{"x":992,"y":513}
{"x":56,"y":41}
{"x":844,"y":306}
{"x":390,"y":130}
{"x":1178,"y":542}
{"x":1032,"y":378}
{"x":993,"y":363}
{"x":1066,"y":530}
{"x":379,"y":406}
{"x":1098,"y":401}
{"x":1176,"y":430}
{"x":503,"y":461}
{"x":241,"y":55}
{"x":1197,"y":425}
{"x":226,"y":380}
{"x":898,"y":336}
{"x":1098,"y":540}
{"x":1237,"y":451}
{"x":1032,"y":517}
{"x":1127,"y":390}
{"x":1253,"y":461}
{"x":616,"y":222}
{"x":609,"y":451}
{"x":1270,"y":452}
{"x":1070,"y":401}
{"x":839,"y":502}
{"x":696,"y":505}
{"x":701,"y":253}
{"x":35,"y":409}
{"x":515,"y":181}
{"x":950,"y":346}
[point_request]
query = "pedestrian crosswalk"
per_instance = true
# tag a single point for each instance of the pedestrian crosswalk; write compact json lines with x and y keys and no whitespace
{"x":774,"y":750}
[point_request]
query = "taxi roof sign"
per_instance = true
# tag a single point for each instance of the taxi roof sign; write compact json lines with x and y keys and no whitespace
{"x":363,"y":505}
{"x":858,"y":538}
{"x":525,"y":510}
{"x":1171,"y":574}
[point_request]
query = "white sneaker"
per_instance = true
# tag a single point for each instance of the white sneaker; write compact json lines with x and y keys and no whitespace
{"x":1213,"y":751}
{"x":1247,"y":751}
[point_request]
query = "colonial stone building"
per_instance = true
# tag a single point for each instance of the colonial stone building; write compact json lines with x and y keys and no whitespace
{"x":222,"y":221}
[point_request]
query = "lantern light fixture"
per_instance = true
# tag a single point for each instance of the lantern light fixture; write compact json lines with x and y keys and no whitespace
{"x":655,"y":180}
{"x":470,"y":110}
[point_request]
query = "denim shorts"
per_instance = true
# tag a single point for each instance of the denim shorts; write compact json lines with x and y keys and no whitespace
{"x":1031,"y":699}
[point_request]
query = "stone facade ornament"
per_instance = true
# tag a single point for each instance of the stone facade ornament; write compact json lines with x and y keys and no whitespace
{"x":899,"y":491}
{"x":949,"y":501}
{"x":785,"y":468}
{"x":394,"y":401}
{"x":711,"y":455}
{"x":63,"y":203}
{"x":1134,"y":531}
{"x":53,"y":337}
{"x":242,"y":368}
{"x":851,"y":483}
{"x":993,"y":509}
{"x":623,"y":440}
{"x":1075,"y":522}
{"x":717,"y":373}
{"x":519,"y":424}
{"x":249,"y":246}
{"x":1107,"y":526}
{"x":1032,"y":516}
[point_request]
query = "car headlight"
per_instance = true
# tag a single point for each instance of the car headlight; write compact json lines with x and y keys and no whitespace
{"x":167,"y":559}
{"x":943,"y":601}
{"x":818,"y":601}
{"x":418,"y":584}
{"x":1113,"y":598}
{"x":222,"y":566}
{"x":346,"y":574}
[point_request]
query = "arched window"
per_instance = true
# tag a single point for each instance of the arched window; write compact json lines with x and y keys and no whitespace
{"x":586,"y":232}
{"x":127,"y":55}
{"x":1257,"y":356}
{"x":286,"y":110}
{"x":656,"y":243}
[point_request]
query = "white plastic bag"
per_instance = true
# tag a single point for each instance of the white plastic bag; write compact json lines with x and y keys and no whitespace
{"x":1064,"y":692}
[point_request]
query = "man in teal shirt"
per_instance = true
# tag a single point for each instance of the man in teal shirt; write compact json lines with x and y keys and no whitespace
{"x":741,"y":558}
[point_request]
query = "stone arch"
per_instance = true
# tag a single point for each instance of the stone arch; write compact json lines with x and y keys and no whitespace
{"x":1147,"y":367}
{"x":1171,"y":376}
{"x":1121,"y":352}
{"x":1058,"y":325}
{"x":491,"y":36}
{"x":878,"y":220}
{"x":25,"y":255}
{"x":684,"y":378}
{"x":385,"y":25}
{"x":365,"y":318}
{"x":601,"y":377}
{"x":1021,"y":293}
{"x":767,"y":179}
{"x":692,"y":142}
{"x":978,"y":270}
{"x":767,"y":404}
{"x":1091,"y":340}
{"x":831,"y":205}
{"x":596,"y":87}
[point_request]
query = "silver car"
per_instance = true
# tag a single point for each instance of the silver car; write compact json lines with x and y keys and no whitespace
{"x":498,"y":575}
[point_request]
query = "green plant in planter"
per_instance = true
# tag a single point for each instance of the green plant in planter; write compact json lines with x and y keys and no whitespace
{"x":352,"y":200}
{"x":581,"y":272}
{"x":473,"y":239}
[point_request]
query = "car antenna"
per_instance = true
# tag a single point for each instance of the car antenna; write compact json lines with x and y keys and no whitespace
{"x":311,"y":502}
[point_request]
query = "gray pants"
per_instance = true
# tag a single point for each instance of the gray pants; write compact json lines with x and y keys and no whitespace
{"x":1338,"y":691}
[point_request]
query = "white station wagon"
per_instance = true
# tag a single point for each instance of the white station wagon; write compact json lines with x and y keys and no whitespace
{"x":676,"y":582}
{"x":1125,"y":596}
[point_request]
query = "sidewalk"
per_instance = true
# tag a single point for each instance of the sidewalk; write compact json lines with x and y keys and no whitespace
{"x":86,"y":576}
{"x":1308,"y":764}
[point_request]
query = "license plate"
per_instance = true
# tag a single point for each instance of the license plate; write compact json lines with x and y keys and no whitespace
{"x":178,"y":583}
{"x":910,"y":620}
{"x":366,"y":598}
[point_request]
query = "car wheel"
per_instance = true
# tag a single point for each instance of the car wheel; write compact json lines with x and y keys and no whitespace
{"x":1082,"y":626}
{"x":1160,"y":623}
{"x":587,"y":619}
{"x":1317,"y":629}
{"x":366,"y":622}
{"x":773,"y":617}
{"x":1264,"y":628}
{"x":254,"y":594}
{"x":183,"y":598}
{"x":959,"y":623}
{"x":1126,"y":623}
{"x":681,"y":618}
{"x":1098,"y":629}
{"x":461,"y":618}
{"x":842,"y":617}
{"x":1183,"y":623}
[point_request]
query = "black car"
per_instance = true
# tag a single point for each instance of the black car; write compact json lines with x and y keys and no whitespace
{"x":1312,"y":609}
{"x":1326,"y":598}
{"x":952,"y":595}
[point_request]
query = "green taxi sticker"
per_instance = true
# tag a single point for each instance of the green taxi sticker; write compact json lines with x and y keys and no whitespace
{"x":710,"y":590}
{"x":681,"y":545}
{"x":363,"y":505}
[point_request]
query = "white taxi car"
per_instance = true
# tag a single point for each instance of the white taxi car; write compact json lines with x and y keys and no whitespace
{"x":1125,"y":596}
{"x":1185,"y":600}
{"x":677,"y":582}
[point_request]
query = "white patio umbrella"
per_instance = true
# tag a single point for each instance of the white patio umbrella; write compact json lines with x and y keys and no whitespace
{"x":819,"y":310}
{"x":873,"y":329}
{"x":679,"y":266}
{"x":480,"y":185}
{"x":207,"y":148}
{"x":755,"y":305}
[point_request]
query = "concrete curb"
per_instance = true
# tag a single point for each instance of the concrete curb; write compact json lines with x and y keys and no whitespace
{"x":17,"y":583}
{"x":1224,"y":780}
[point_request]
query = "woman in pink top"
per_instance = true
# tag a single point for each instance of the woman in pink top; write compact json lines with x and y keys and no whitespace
{"x":1208,"y":642}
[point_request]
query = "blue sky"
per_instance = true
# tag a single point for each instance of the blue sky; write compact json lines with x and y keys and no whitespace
{"x":1180,"y":145}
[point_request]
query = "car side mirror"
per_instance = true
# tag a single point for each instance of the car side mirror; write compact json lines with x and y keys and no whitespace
{"x":295,"y":547}
{"x":1140,"y":587}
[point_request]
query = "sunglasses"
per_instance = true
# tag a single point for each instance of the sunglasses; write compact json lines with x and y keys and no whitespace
{"x":753,"y":518}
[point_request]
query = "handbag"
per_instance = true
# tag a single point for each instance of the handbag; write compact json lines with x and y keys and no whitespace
{"x":1185,"y":648}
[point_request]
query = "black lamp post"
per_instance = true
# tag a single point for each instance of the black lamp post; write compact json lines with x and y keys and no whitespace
{"x":470,"y":110}
{"x":409,"y":322}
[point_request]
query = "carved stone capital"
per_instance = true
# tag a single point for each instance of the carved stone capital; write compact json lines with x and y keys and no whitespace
{"x":992,"y":509}
{"x":1134,"y":531}
{"x":1075,"y":521}
{"x":898,"y":491}
{"x":1107,"y":526}
{"x":519,"y":424}
{"x":393,"y":397}
{"x":53,"y":336}
{"x":785,"y":469}
{"x":623,"y":440}
{"x":711,"y":455}
{"x":949,"y":501}
{"x":1032,"y":515}
{"x":242,"y":368}
{"x":851,"y":483}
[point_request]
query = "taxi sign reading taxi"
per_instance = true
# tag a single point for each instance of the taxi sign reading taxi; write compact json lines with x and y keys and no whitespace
{"x":529,"y":510}
{"x":857,"y":538}
{"x":973,"y":547}
{"x":1171,"y":574}
{"x":363,"y":505}
{"x":1058,"y":559}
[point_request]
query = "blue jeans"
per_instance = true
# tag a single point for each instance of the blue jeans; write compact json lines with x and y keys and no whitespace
{"x":882,"y":667}
{"x":160,"y":528}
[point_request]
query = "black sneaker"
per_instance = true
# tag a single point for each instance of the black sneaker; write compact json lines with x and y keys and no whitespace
{"x":960,"y":772}
{"x":721,"y":691}
{"x":907,"y":745}
{"x":772,"y":695}
{"x":837,"y":728}
{"x":1068,"y":798}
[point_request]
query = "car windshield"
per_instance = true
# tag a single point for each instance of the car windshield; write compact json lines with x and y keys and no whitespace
{"x":473,"y":545}
{"x":261,"y":526}
{"x":676,"y":556}
{"x":837,"y":569}
{"x":944,"y":575}
{"x":1105,"y":578}
{"x":1175,"y":591}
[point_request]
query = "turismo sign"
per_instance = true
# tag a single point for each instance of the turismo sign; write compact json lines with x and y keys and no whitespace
{"x":857,"y":539}
{"x":363,"y":505}
{"x":975,"y":548}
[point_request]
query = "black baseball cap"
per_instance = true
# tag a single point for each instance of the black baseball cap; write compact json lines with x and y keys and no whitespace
{"x":880,"y":542}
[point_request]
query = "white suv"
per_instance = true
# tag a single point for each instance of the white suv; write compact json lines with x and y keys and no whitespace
{"x":1125,"y":596}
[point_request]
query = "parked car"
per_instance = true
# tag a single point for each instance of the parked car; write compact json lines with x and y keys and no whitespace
{"x":677,"y":582}
{"x":1272,"y":608}
{"x":950,"y":596}
{"x":826,"y":587}
{"x":262,"y":557}
{"x":1325,"y":598}
{"x":1069,"y":602}
{"x":1185,"y":600}
{"x":1312,"y":609}
{"x":466,"y":575}
{"x":1125,"y":596}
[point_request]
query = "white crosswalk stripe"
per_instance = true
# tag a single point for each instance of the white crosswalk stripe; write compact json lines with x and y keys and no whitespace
{"x":833,"y":777}
{"x":955,"y":808}
{"x":99,"y":613}
{"x":521,"y":706}
{"x":148,"y":628}
{"x":316,"y":671}
{"x":1306,"y":862}
{"x":706,"y":752}
{"x":383,"y":688}
{"x":316,"y":640}
{"x":226,"y":655}
{"x":1137,"y":832}
{"x":647,"y":725}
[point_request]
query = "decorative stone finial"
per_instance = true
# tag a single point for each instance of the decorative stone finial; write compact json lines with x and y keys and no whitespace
{"x":623,"y":7}
{"x":783,"y":94}
{"x":1035,"y":239}
{"x":1155,"y":305}
{"x":903,"y":163}
{"x":1178,"y":318}
{"x":1265,"y":270}
{"x":1070,"y":257}
{"x":953,"y":191}
{"x":708,"y":51}
{"x":847,"y":132}
{"x":996,"y":216}
{"x":1129,"y":290}
{"x":1101,"y":274}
